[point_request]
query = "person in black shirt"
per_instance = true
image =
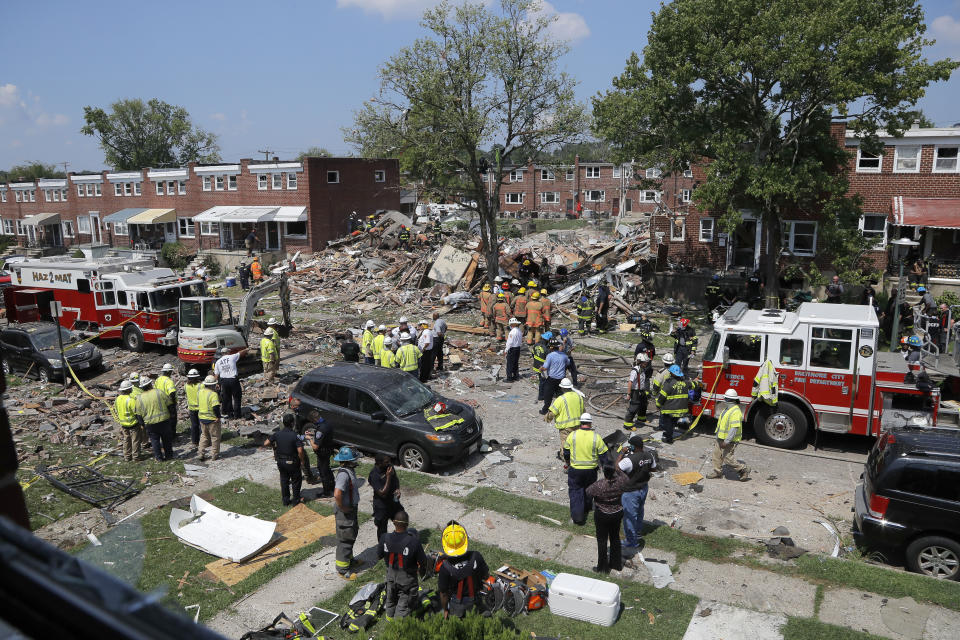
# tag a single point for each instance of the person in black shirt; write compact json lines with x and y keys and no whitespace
{"x":288,"y":451}
{"x":349,"y":348}
{"x":319,"y":434}
{"x":386,"y":492}
{"x":462,"y":572}
{"x":637,"y":464}
{"x":403,"y":554}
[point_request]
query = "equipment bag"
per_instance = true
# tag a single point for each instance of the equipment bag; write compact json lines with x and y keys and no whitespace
{"x":363,"y":614}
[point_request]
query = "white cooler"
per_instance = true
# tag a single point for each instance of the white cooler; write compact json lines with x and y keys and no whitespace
{"x":585,"y":599}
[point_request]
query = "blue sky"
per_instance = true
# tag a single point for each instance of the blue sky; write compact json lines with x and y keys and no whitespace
{"x":282,"y":75}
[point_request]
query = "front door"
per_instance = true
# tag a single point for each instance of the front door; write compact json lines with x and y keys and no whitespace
{"x":95,"y":237}
{"x":54,"y":235}
{"x":169,"y":233}
{"x":743,"y":245}
{"x":273,"y":235}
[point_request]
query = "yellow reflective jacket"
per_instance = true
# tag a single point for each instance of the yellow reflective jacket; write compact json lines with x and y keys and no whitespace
{"x":388,"y":358}
{"x":567,"y":409}
{"x":378,"y":345}
{"x":268,"y":350}
{"x":585,"y":446}
{"x":409,"y":357}
{"x":192,"y":389}
{"x":167,"y":387}
{"x":125,"y":406}
{"x":366,"y":343}
{"x":151,"y":407}
{"x":207,"y":399}
{"x":730,"y":421}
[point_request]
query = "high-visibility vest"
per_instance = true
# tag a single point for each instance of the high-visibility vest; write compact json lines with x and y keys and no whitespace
{"x":539,"y":355}
{"x":730,"y":419}
{"x":674,"y":399}
{"x":167,"y":387}
{"x":388,"y":358}
{"x":192,"y":389}
{"x":585,"y":310}
{"x":567,"y":409}
{"x":440,"y":421}
{"x":151,"y":406}
{"x":377,"y":346}
{"x":136,"y":392}
{"x":547,"y":308}
{"x":207,"y":399}
{"x":408,"y":357}
{"x":366,"y":342}
{"x":268,"y":350}
{"x":520,"y":307}
{"x":534,"y":316}
{"x":501,"y":313}
{"x":486,"y":302}
{"x":585,"y":447}
{"x":256,"y":270}
{"x":126,"y":406}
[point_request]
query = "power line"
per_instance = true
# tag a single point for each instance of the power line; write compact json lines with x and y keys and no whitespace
{"x":266,"y":153}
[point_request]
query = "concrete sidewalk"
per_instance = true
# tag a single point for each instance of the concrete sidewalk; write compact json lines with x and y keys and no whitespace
{"x":736,"y":602}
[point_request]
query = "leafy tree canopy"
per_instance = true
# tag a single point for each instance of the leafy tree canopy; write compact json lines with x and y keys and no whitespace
{"x":751,"y":87}
{"x":31,"y":171}
{"x":315,"y":152}
{"x":137,"y":134}
{"x":486,"y":77}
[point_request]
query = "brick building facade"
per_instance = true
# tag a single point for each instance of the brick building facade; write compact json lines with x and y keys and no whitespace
{"x":293,"y":205}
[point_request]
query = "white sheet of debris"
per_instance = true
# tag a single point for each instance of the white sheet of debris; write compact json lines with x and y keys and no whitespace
{"x":221,"y":533}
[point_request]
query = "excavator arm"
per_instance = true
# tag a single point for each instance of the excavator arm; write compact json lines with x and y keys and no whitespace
{"x":258,"y":293}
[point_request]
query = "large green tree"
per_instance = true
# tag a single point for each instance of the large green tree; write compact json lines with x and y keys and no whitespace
{"x":487,"y":77}
{"x":31,"y":171}
{"x":751,"y":86}
{"x":137,"y":134}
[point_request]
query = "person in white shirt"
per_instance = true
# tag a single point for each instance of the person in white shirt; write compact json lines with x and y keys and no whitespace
{"x":225,"y":369}
{"x":404,"y":327}
{"x":514,"y":341}
{"x":425,"y":342}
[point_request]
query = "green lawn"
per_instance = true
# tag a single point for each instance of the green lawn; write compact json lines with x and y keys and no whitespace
{"x":671,"y":610}
{"x":149,"y":556}
{"x":810,"y":629}
{"x":47,"y":504}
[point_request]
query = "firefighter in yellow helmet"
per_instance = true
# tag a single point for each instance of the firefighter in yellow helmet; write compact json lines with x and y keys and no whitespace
{"x":462,"y":572}
{"x":487,"y":300}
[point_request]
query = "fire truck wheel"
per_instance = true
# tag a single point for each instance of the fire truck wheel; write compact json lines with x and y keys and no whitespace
{"x":132,"y":338}
{"x":783,"y":426}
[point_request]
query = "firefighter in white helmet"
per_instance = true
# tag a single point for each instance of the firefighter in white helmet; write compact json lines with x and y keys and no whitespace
{"x":729,"y":430}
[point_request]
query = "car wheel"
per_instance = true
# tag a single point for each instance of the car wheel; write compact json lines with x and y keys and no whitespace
{"x":46,"y":375}
{"x":7,"y":369}
{"x":935,"y":556}
{"x":132,"y":338}
{"x":784,"y":426}
{"x":414,"y":457}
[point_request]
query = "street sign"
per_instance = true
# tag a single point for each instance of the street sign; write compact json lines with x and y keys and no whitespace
{"x":56,"y":309}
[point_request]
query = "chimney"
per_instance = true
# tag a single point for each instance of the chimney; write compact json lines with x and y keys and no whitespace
{"x":915,"y":126}
{"x":276,"y":158}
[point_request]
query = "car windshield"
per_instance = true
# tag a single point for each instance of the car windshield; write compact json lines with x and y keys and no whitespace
{"x":164,"y":299}
{"x":47,"y":339}
{"x":406,"y":397}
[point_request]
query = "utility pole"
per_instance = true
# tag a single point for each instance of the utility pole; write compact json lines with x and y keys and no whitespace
{"x":65,"y":165}
{"x":266,"y":153}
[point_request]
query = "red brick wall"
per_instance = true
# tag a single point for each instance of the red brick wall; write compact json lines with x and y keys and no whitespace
{"x":328,"y":206}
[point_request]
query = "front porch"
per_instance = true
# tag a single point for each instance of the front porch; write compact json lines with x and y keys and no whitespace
{"x":230,"y":259}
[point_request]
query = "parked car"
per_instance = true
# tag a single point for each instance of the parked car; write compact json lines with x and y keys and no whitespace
{"x":909,"y":500}
{"x":32,"y":348}
{"x":380,"y":410}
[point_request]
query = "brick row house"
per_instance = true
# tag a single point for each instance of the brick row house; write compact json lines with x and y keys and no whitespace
{"x":293,"y":205}
{"x":911,"y":190}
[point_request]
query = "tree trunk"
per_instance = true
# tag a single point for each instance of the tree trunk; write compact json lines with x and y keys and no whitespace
{"x":771,"y":277}
{"x":491,"y":244}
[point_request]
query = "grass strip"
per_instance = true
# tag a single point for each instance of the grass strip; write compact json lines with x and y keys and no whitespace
{"x":885,"y":582}
{"x":811,"y":629}
{"x":671,"y":610}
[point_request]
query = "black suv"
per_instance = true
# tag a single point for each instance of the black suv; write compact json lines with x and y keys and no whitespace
{"x":910,"y":498}
{"x":32,"y":348}
{"x":381,"y":410}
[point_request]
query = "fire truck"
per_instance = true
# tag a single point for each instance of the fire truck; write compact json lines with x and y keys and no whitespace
{"x":118,"y":298}
{"x":831,"y":376}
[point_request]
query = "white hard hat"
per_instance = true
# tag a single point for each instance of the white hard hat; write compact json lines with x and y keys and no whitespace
{"x":566,"y":383}
{"x":513,"y":321}
{"x":515,"y":282}
{"x":134,"y":375}
{"x":667,"y":358}
{"x":382,"y":327}
{"x":193,"y":373}
{"x":369,"y":324}
{"x":731,"y":394}
{"x":403,"y":320}
{"x":425,"y":323}
{"x":586,"y":417}
{"x":145,"y":381}
{"x":404,"y":336}
{"x":269,"y":331}
{"x":388,"y":341}
{"x":210,"y":381}
{"x":642,"y":357}
{"x":272,"y":321}
{"x":166,"y":367}
{"x":126,"y":385}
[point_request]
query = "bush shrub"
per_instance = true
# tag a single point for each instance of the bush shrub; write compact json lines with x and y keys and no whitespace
{"x":213,"y":267}
{"x":435,"y":627}
{"x":176,"y":255}
{"x":948,"y":298}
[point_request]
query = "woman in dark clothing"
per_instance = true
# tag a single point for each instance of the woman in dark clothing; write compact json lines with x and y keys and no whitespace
{"x":607,"y":515}
{"x":386,"y":492}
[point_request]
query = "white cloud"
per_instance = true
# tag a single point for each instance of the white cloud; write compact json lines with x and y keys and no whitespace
{"x":14,"y":108}
{"x":567,"y":26}
{"x":389,"y":9}
{"x":946,"y":28}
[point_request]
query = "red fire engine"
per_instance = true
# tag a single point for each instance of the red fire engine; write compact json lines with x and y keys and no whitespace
{"x":830,"y":374}
{"x":122,"y":298}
